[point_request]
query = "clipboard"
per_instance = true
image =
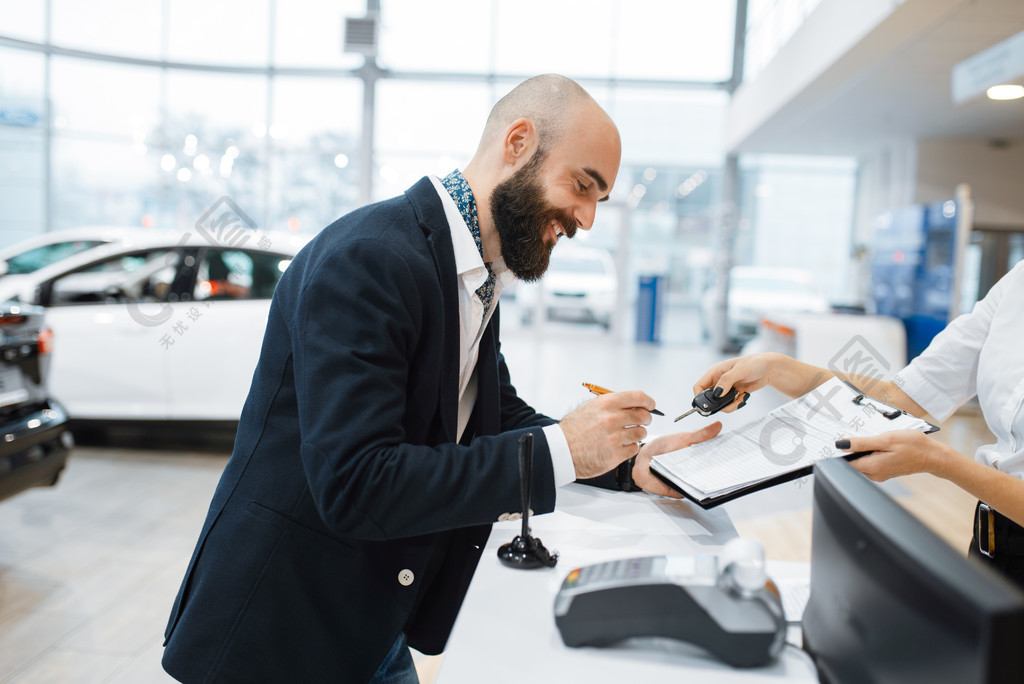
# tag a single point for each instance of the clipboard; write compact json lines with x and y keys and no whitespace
{"x":757,"y":455}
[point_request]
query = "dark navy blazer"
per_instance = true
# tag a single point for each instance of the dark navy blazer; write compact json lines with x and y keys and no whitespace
{"x":346,"y":467}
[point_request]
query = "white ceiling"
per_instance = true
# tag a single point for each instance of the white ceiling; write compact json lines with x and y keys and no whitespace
{"x":901,"y":92}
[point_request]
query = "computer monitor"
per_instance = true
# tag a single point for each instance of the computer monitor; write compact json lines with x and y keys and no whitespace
{"x":890,"y":601}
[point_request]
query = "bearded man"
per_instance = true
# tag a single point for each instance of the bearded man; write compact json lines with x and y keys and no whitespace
{"x":379,"y":440}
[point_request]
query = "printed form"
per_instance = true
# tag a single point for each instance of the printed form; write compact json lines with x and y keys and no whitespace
{"x":791,"y":437}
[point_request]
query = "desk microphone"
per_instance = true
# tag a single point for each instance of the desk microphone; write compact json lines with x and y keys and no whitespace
{"x":526,"y":552}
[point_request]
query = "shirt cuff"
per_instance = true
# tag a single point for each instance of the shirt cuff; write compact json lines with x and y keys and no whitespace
{"x":561,"y":457}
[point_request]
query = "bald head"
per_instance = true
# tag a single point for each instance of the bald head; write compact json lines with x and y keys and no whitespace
{"x":547,"y":156}
{"x":550,"y":101}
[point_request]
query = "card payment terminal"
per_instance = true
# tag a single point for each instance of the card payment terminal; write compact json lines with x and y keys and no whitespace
{"x":733,"y":611}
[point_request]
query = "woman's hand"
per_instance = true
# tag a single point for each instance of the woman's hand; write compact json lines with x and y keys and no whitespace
{"x":750,"y":373}
{"x":901,"y":452}
{"x":910,"y":451}
{"x":648,"y":481}
{"x":746,"y":373}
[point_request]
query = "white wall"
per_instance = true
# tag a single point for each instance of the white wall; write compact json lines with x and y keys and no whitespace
{"x":829,"y":33}
{"x":996,"y":177}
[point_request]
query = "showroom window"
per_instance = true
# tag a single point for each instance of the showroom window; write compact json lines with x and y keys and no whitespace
{"x":173,"y":105}
{"x":104,"y":119}
{"x":797,"y":211}
{"x":131,"y":28}
{"x":314,"y":152}
{"x":215,"y":144}
{"x":221,"y":32}
{"x":23,"y":144}
{"x":682,"y":40}
{"x":433,"y":138}
{"x":673,"y":145}
{"x":24,"y":19}
{"x":307,"y":33}
{"x":178,"y":105}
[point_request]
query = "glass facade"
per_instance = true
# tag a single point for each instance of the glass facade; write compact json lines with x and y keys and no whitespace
{"x":23,"y":19}
{"x":680,"y":40}
{"x":131,"y":28}
{"x":770,"y":23}
{"x":797,"y":212}
{"x":23,"y":140}
{"x":427,"y":127}
{"x":148,"y":120}
{"x":307,"y":33}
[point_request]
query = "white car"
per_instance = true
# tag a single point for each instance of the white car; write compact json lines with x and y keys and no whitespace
{"x":755,"y":291}
{"x":580,"y":284}
{"x":158,"y":326}
{"x":31,"y":254}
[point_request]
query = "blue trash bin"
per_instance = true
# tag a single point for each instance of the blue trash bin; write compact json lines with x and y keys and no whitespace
{"x":648,"y":308}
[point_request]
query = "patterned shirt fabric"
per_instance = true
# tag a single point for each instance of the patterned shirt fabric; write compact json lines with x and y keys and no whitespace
{"x":460,"y":191}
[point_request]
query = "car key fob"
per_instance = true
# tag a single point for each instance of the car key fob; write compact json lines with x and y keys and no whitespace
{"x":707,"y":404}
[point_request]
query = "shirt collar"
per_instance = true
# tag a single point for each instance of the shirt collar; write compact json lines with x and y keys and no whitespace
{"x":467,"y":257}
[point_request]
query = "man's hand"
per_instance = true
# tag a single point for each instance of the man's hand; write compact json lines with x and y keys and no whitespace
{"x":604,"y":432}
{"x":648,"y":481}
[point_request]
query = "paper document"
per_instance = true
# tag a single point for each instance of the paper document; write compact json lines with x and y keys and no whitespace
{"x":782,"y":445}
{"x":794,"y":595}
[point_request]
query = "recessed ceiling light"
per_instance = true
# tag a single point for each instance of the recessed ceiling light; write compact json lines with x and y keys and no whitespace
{"x":1005,"y":92}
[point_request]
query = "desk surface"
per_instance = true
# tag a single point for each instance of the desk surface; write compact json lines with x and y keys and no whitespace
{"x":507,"y":616}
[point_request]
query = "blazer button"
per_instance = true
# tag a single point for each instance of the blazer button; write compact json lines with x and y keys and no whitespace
{"x":406,"y":577}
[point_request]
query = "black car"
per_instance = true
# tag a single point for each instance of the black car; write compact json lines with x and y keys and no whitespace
{"x":34,"y":439}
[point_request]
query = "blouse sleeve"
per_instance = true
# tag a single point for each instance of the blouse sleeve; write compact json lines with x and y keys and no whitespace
{"x":945,"y":376}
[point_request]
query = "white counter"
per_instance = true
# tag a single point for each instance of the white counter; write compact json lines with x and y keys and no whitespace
{"x":506,"y":630}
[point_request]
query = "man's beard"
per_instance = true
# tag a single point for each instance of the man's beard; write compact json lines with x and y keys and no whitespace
{"x":522,"y":217}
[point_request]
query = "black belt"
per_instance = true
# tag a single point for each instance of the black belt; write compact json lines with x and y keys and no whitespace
{"x":996,"y":534}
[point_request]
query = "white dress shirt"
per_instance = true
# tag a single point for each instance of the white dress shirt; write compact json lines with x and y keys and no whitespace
{"x":980,"y":353}
{"x":472,"y":273}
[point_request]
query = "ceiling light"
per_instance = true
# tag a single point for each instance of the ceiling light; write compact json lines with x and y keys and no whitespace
{"x":1005,"y":92}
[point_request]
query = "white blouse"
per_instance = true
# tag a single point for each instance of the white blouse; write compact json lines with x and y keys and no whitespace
{"x":980,"y":353}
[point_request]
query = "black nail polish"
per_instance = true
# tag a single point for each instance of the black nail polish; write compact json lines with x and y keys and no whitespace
{"x":842,"y":444}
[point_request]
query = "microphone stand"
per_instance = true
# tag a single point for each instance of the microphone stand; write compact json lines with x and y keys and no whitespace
{"x":526,"y":552}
